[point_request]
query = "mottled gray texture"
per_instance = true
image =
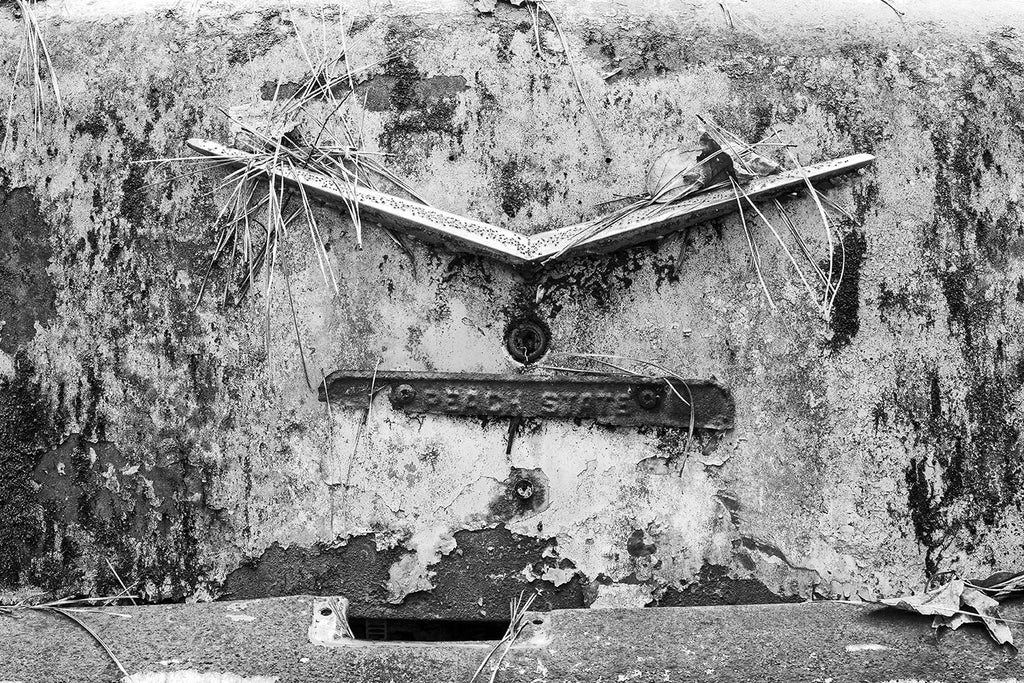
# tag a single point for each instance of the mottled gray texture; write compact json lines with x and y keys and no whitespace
{"x":138,"y":429}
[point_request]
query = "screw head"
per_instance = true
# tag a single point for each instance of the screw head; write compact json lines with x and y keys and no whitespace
{"x":403,"y":395}
{"x":524,"y":489}
{"x":648,"y":399}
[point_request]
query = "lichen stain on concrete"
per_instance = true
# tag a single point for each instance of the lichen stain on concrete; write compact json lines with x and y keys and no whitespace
{"x":124,"y":506}
{"x":865,"y":453}
{"x":715,"y":585}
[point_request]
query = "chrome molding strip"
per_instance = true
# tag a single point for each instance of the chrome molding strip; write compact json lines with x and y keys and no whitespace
{"x":465,"y":234}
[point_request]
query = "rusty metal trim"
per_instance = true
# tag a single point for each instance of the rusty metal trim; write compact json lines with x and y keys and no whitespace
{"x":608,"y":399}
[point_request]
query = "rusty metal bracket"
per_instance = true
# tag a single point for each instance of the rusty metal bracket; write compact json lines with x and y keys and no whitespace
{"x":607,"y":399}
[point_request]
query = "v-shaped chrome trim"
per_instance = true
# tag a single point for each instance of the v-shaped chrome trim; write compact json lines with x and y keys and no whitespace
{"x":466,"y":234}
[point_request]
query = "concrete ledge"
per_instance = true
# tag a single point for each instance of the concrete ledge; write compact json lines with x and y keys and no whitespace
{"x":267,"y":640}
{"x":967,"y":16}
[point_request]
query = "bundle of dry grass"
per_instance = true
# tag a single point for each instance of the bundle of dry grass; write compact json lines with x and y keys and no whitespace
{"x":517,"y":607}
{"x":73,"y":609}
{"x":309,"y":130}
{"x":720,"y":160}
{"x":35,"y":66}
{"x":1000,"y":585}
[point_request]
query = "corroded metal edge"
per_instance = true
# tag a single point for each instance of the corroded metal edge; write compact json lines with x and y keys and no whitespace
{"x":465,"y":234}
{"x":621,"y":400}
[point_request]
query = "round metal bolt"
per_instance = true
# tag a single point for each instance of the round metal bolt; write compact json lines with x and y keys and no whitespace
{"x":403,"y":395}
{"x":648,"y":399}
{"x":524,"y":489}
{"x":526,"y":339}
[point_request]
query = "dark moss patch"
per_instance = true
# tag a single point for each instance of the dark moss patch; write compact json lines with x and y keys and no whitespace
{"x":123,"y":505}
{"x":513,"y":191}
{"x":269,"y":31}
{"x":896,"y":299}
{"x":506,"y":31}
{"x":282,"y":91}
{"x":94,"y":124}
{"x":714,"y":586}
{"x":390,"y":93}
{"x":525,"y":494}
{"x":970,"y":467}
{"x":424,"y":107}
{"x":360,"y":572}
{"x":646,"y":49}
{"x":27,"y":294}
{"x":636,"y":546}
{"x":500,"y":554}
{"x":357,"y":570}
{"x":26,"y":431}
{"x":845,"y":318}
{"x":598,"y":279}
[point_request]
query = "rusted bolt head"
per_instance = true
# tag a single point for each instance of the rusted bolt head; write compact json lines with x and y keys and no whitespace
{"x":403,"y":395}
{"x":648,"y":399}
{"x":526,"y":339}
{"x":524,"y":489}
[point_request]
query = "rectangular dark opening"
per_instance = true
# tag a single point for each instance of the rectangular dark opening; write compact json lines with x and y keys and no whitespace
{"x":427,"y":630}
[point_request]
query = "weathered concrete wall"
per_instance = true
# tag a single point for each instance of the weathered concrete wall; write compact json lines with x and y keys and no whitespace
{"x":165,"y":440}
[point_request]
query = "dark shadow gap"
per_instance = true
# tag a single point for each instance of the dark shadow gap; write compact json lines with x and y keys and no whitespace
{"x":427,"y":630}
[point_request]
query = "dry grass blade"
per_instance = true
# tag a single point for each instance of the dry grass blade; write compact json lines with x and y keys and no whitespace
{"x":518,"y":607}
{"x":778,"y":238}
{"x":728,"y":15}
{"x":35,"y":56}
{"x":68,"y":607}
{"x":827,"y":226}
{"x":575,"y":77}
{"x":95,"y":636}
{"x":1000,"y":585}
{"x":124,"y":589}
{"x":801,"y":244}
{"x":298,"y":336}
{"x":755,"y":255}
{"x":669,"y":189}
{"x":252,"y":222}
{"x":893,"y":8}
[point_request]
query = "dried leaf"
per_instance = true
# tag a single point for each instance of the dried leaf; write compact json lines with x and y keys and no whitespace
{"x":988,"y":609}
{"x":760,"y":165}
{"x":943,"y":601}
{"x":715,"y":460}
{"x":956,"y":621}
{"x":485,"y":6}
{"x":680,"y":172}
{"x":748,"y":163}
{"x":954,"y":605}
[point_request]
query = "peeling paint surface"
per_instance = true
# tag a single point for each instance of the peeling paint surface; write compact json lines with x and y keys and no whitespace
{"x":163,"y":437}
